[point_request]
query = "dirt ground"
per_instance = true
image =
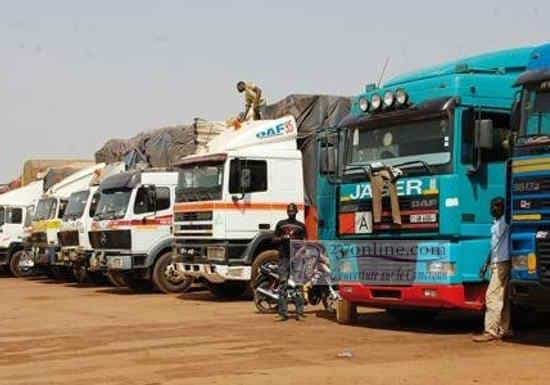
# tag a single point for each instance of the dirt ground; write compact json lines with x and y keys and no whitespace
{"x":58,"y":333}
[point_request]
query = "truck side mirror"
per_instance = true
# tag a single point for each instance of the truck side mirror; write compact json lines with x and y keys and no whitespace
{"x":484,"y":134}
{"x":483,"y":140}
{"x":151,"y":196}
{"x":515,"y":117}
{"x":246,"y":180}
{"x":328,"y":160}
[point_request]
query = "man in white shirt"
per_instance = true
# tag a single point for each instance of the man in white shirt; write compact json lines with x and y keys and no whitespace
{"x":497,"y":313}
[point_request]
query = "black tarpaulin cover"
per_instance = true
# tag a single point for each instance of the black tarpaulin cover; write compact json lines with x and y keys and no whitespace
{"x":312,"y":113}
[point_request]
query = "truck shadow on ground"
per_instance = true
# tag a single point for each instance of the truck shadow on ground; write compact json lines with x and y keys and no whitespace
{"x":452,"y":323}
{"x":536,"y":332}
{"x":201,"y":294}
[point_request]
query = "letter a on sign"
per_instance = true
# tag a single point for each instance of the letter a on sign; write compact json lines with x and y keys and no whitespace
{"x":363,"y":222}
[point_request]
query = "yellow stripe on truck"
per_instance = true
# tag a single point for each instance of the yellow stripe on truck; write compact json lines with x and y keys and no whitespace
{"x":531,"y":165}
{"x":527,"y":217}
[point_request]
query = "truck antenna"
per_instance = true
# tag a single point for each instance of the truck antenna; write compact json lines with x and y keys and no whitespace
{"x":383,"y":71}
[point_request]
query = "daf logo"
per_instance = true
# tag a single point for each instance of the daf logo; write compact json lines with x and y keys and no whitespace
{"x":103,"y":239}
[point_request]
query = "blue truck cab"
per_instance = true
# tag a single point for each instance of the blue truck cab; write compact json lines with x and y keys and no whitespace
{"x":529,"y":192}
{"x":447,"y":129}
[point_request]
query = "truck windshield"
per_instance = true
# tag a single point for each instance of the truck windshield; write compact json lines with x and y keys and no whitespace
{"x":535,"y":112}
{"x":45,"y":209}
{"x":426,"y":141}
{"x":200,"y":182}
{"x":113,"y":204}
{"x":77,"y":204}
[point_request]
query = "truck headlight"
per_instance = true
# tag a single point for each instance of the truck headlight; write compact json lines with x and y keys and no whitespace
{"x":519,"y":262}
{"x":216,"y":253}
{"x":363,"y":104}
{"x":446,"y":268}
{"x":525,"y":262}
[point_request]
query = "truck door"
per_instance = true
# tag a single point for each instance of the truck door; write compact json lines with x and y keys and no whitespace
{"x":250,"y":196}
{"x":149,"y":227}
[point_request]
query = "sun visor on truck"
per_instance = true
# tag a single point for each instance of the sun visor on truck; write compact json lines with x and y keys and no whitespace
{"x":123,"y":180}
{"x":532,"y":77}
{"x":420,"y":111}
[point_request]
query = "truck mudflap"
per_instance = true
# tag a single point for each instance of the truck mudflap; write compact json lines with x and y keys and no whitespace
{"x":459,"y":297}
{"x":215,"y":273}
{"x":530,"y":294}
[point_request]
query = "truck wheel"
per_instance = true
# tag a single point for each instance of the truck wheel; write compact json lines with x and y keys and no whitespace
{"x":268,"y":256}
{"x":116,"y":278}
{"x":346,"y":312}
{"x":166,"y":278}
{"x":15,"y":264}
{"x":413,"y":316}
{"x":229,"y":290}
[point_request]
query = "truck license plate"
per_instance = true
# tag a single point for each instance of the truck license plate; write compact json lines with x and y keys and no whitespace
{"x":117,"y":263}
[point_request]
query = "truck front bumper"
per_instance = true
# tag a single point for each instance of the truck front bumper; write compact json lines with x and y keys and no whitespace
{"x":459,"y":297}
{"x":531,"y":294}
{"x":117,"y":260}
{"x":214,"y":273}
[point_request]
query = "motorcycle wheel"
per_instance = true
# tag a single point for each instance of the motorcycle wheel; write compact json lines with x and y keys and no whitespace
{"x":263,"y":303}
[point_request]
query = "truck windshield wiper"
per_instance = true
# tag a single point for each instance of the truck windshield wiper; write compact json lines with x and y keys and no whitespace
{"x":422,"y":163}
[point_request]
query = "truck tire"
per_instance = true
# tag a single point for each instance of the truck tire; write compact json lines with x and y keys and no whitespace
{"x":17,"y":270}
{"x":116,"y":278}
{"x":346,"y":312}
{"x":229,"y":290}
{"x":264,"y":257}
{"x":166,"y":282}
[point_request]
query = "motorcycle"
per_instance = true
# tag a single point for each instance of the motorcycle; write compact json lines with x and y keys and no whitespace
{"x":318,"y":288}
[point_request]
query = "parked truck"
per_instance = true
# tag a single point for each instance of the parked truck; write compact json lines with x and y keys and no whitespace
{"x":16,"y":209}
{"x":444,"y":135}
{"x":48,"y":220}
{"x":529,"y":191}
{"x":130,"y":232}
{"x":75,"y":248}
{"x":229,"y":200}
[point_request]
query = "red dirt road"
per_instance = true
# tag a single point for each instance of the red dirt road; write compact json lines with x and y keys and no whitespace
{"x":54,"y":333}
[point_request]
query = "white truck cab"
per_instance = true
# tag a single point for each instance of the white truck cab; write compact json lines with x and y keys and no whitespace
{"x":16,"y":209}
{"x":48,"y":220}
{"x":130,"y":233}
{"x":75,"y":248}
{"x":230,"y":199}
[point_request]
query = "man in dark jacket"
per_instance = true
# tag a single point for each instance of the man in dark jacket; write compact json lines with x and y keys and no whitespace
{"x":285,"y":231}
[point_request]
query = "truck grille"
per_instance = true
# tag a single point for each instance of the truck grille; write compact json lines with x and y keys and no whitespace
{"x":543,"y":256}
{"x":111,"y":239}
{"x":68,"y":238}
{"x":194,"y":224}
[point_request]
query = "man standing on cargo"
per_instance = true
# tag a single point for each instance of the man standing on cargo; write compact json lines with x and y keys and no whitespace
{"x":497,"y":313}
{"x":253,"y":100}
{"x":287,"y":230}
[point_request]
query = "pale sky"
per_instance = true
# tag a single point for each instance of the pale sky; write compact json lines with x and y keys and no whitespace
{"x":76,"y":73}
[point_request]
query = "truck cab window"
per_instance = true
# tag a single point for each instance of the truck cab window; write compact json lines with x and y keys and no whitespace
{"x":142,"y":205}
{"x":163,"y":198}
{"x":14,"y":215}
{"x":256,"y":171}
